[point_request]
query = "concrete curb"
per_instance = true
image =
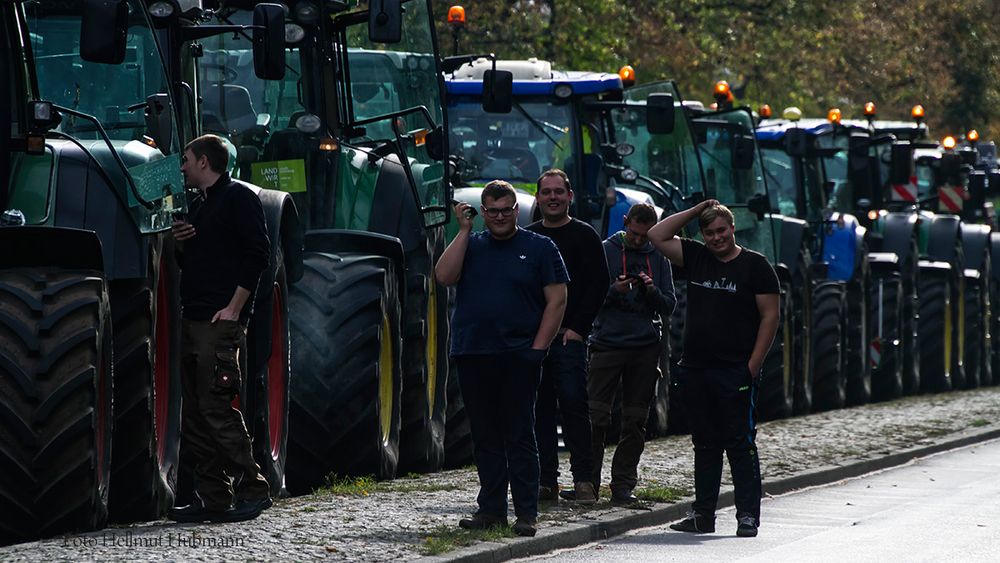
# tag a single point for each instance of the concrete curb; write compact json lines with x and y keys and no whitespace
{"x":562,"y":536}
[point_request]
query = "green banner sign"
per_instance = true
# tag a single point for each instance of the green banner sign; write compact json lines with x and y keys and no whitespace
{"x":284,"y":175}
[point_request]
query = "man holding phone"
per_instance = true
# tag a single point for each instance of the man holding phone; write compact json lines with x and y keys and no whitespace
{"x":625,"y":346}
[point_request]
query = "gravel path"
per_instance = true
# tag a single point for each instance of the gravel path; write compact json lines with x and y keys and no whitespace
{"x":391,"y":521}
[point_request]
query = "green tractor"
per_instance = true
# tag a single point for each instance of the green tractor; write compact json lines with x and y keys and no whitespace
{"x":353,"y":135}
{"x":90,"y":303}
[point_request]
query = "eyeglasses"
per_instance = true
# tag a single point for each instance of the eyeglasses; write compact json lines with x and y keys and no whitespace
{"x":494,"y":212}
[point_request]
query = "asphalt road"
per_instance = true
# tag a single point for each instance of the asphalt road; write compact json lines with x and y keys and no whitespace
{"x":941,"y":508}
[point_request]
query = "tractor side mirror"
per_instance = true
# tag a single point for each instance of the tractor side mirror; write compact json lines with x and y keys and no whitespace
{"x":498,"y":91}
{"x":977,"y":190}
{"x":434,"y":143}
{"x":901,"y":163}
{"x":269,"y":41}
{"x":104,"y":31}
{"x":759,"y":206}
{"x":743,"y":152}
{"x":660,"y":116}
{"x":994,"y":183}
{"x":159,"y":120}
{"x":385,"y":21}
{"x":796,"y":142}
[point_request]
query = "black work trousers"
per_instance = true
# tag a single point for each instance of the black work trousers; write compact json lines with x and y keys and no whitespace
{"x":213,"y":433}
{"x":721,"y":409}
{"x":637,"y":370}
{"x":563,"y":394}
{"x":499,"y":392}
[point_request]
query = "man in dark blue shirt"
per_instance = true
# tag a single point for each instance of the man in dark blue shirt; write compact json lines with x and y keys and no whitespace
{"x":223,"y":251}
{"x":510,"y":300}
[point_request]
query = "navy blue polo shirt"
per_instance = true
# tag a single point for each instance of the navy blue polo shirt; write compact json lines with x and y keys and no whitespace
{"x":500,"y":297}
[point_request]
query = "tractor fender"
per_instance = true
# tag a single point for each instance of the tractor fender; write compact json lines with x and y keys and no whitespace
{"x":975,"y":245}
{"x":342,"y":241}
{"x":883,"y":262}
{"x":793,"y":236}
{"x":843,"y":246}
{"x":394,"y":207}
{"x":899,"y":234}
{"x":995,"y":255}
{"x":61,"y":247}
{"x":784,"y":275}
{"x":281,"y":217}
{"x":944,"y":232}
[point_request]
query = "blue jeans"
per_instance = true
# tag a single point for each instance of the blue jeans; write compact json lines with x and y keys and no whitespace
{"x":499,"y":392}
{"x":563,"y":391}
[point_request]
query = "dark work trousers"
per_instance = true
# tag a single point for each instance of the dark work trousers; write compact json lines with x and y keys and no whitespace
{"x":721,"y":405}
{"x":212,"y":430}
{"x":563,"y":393}
{"x":499,"y":393}
{"x":637,"y":369}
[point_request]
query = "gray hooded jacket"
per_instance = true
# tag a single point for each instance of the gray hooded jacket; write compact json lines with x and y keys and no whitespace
{"x":635,"y":318}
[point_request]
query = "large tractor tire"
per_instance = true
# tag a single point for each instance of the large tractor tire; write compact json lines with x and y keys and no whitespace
{"x":56,"y":399}
{"x":676,"y":416}
{"x":776,"y":394}
{"x":935,"y":331}
{"x":802,"y":344}
{"x":147,"y":396}
{"x":885,"y":328}
{"x":857,"y":362}
{"x":659,"y":409}
{"x":344,"y":414}
{"x":458,"y":432}
{"x":425,"y":362}
{"x":910,"y":325}
{"x":974,"y":332}
{"x":266,"y":407}
{"x":830,"y":381}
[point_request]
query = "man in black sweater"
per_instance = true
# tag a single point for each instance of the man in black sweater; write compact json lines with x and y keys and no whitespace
{"x":625,"y":346}
{"x":223,"y":250}
{"x":564,"y":372}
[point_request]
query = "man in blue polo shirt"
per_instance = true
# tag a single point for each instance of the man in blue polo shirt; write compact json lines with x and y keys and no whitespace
{"x":509,"y":304}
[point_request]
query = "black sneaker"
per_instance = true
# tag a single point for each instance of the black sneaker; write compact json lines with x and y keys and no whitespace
{"x":747,"y":527}
{"x":248,"y":509}
{"x":548,"y":493}
{"x":197,"y":513}
{"x":623,"y":498}
{"x":524,"y":527}
{"x":695,"y":524}
{"x":479,"y":521}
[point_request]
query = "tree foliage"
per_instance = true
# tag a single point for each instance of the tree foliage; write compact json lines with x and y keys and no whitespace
{"x":815,"y":55}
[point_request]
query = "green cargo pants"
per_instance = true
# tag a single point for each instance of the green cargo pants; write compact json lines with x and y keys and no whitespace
{"x":212,"y":430}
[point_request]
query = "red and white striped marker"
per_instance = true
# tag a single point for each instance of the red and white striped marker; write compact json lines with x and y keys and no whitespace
{"x":905,"y":192}
{"x":875,"y":352}
{"x":951,"y":198}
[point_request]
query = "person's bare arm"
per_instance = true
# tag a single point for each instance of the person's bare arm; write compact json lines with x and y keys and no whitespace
{"x":555,"y":306}
{"x":767,"y":305}
{"x":449,"y":267}
{"x":232,"y":311}
{"x":663,"y":235}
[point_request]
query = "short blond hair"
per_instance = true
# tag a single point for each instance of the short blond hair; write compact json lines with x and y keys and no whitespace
{"x":714,"y":212}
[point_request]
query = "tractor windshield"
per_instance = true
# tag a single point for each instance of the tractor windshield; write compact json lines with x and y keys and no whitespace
{"x":393,"y":95}
{"x":518,"y":146}
{"x":669,"y":159}
{"x":144,"y":166}
{"x":720,"y":135}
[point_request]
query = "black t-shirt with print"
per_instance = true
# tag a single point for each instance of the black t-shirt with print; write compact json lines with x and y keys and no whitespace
{"x":722,"y":316}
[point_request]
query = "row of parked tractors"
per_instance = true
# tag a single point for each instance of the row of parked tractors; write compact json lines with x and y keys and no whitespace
{"x":336,"y":113}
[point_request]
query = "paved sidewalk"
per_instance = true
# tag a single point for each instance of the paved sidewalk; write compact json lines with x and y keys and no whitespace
{"x":408,"y":518}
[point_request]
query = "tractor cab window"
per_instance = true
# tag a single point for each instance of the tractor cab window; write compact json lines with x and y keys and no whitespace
{"x":781,"y":183}
{"x":669,"y":159}
{"x":835,"y":170}
{"x":259,"y":118}
{"x":140,"y":156}
{"x":393,"y":95}
{"x":518,"y":146}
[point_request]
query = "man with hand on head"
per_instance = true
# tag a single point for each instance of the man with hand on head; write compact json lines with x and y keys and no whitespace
{"x":732,"y":317}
